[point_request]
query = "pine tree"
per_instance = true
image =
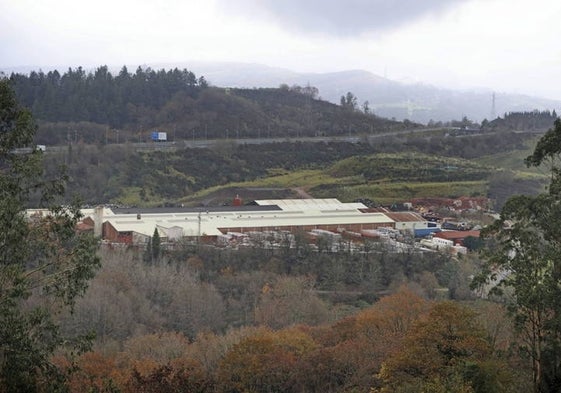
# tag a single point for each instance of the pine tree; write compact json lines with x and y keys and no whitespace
{"x":156,"y":245}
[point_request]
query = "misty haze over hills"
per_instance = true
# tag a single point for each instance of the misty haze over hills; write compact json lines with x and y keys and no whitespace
{"x":387,"y":98}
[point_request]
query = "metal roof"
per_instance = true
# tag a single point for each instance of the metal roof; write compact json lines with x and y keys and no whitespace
{"x":203,"y":209}
{"x":405,"y":217}
{"x":326,"y":204}
{"x":331,"y":212}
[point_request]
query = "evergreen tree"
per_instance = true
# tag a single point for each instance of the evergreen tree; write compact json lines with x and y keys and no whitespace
{"x":147,"y":256}
{"x":156,"y":245}
{"x":44,"y":263}
{"x":99,"y":97}
{"x":349,"y":101}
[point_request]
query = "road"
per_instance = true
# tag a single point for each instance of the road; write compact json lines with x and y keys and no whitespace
{"x":205,"y":143}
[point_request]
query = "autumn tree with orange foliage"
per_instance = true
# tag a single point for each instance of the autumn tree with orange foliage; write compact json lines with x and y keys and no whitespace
{"x":264,"y":362}
{"x":350,"y":352}
{"x":444,"y":351}
{"x":403,"y":343}
{"x":96,"y":372}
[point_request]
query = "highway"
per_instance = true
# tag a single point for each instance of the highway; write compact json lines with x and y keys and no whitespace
{"x":206,"y":143}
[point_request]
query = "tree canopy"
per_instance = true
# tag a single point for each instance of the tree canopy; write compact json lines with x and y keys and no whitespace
{"x":44,"y":263}
{"x":523,"y":265}
{"x":99,"y":96}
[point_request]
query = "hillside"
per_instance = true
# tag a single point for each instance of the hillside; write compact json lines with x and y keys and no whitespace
{"x":91,"y":112}
{"x":419,"y":102}
{"x":537,"y":121}
{"x":388,"y":170}
{"x":98,"y":107}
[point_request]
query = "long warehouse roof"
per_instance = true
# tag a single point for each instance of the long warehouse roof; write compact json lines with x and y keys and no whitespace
{"x":302,"y":212}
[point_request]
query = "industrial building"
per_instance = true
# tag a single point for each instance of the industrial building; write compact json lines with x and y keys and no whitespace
{"x":137,"y":226}
{"x":265,"y":221}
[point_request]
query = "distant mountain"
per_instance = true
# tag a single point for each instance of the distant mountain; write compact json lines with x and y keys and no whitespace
{"x":387,"y":98}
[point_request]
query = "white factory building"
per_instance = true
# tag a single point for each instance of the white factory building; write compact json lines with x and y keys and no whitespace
{"x":137,"y":225}
{"x":133,"y":226}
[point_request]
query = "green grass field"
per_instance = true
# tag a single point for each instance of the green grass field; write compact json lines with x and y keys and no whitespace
{"x":385,"y":178}
{"x":514,"y":161}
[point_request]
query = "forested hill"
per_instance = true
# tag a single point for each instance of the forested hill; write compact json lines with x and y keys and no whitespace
{"x":100,"y":97}
{"x":527,"y":121}
{"x":184,"y":105}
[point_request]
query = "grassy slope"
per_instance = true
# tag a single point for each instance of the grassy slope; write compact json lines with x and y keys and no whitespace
{"x":336,"y":173}
{"x":362,"y":177}
{"x":514,"y":161}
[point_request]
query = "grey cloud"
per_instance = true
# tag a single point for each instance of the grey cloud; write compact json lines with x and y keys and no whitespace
{"x":341,"y":17}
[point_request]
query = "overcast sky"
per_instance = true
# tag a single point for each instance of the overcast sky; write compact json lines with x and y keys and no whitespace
{"x":506,"y":45}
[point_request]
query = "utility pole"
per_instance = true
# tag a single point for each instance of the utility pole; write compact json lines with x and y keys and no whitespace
{"x":199,"y":232}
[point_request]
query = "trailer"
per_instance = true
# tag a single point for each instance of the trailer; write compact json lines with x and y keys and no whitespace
{"x":159,"y":136}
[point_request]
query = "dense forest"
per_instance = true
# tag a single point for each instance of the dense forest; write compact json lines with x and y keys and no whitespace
{"x":98,"y":97}
{"x":194,"y":289}
{"x":522,"y":121}
{"x":290,"y":320}
{"x":96,"y":107}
